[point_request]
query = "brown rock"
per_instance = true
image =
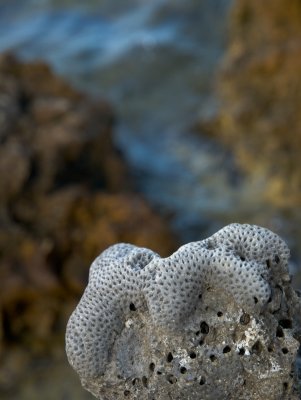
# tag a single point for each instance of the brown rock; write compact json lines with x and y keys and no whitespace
{"x":61,"y":135}
{"x":64,"y":196}
{"x":260,"y":94}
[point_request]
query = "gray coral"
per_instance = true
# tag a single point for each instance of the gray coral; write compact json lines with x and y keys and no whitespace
{"x":114,"y":289}
{"x":145,"y":323}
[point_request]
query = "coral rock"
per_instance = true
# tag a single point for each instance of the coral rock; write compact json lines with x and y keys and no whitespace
{"x":215,"y":320}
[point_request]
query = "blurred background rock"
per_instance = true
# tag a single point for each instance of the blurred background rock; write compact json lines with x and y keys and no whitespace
{"x":154,"y":123}
{"x":65,"y":196}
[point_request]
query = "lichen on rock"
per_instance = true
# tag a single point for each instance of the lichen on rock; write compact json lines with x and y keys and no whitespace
{"x":217,"y":319}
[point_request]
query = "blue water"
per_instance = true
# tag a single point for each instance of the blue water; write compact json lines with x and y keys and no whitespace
{"x":156,"y":61}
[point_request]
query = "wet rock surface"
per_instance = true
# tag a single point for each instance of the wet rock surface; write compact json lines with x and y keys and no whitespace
{"x":65,"y":195}
{"x":259,"y":89}
{"x":217,"y":319}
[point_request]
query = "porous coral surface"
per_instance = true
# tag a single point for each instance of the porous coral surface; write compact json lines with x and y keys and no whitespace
{"x":217,"y":319}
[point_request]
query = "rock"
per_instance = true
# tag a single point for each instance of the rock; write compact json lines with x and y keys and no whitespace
{"x":217,"y":319}
{"x":259,"y":92}
{"x":56,"y":135}
{"x":65,"y":195}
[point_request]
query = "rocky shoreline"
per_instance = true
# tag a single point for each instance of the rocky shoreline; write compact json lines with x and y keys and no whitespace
{"x":66,"y":194}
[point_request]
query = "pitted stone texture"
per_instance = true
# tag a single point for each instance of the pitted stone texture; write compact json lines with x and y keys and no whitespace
{"x":214,"y":320}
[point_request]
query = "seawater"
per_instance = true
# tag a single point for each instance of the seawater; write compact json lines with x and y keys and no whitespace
{"x":157,"y":62}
